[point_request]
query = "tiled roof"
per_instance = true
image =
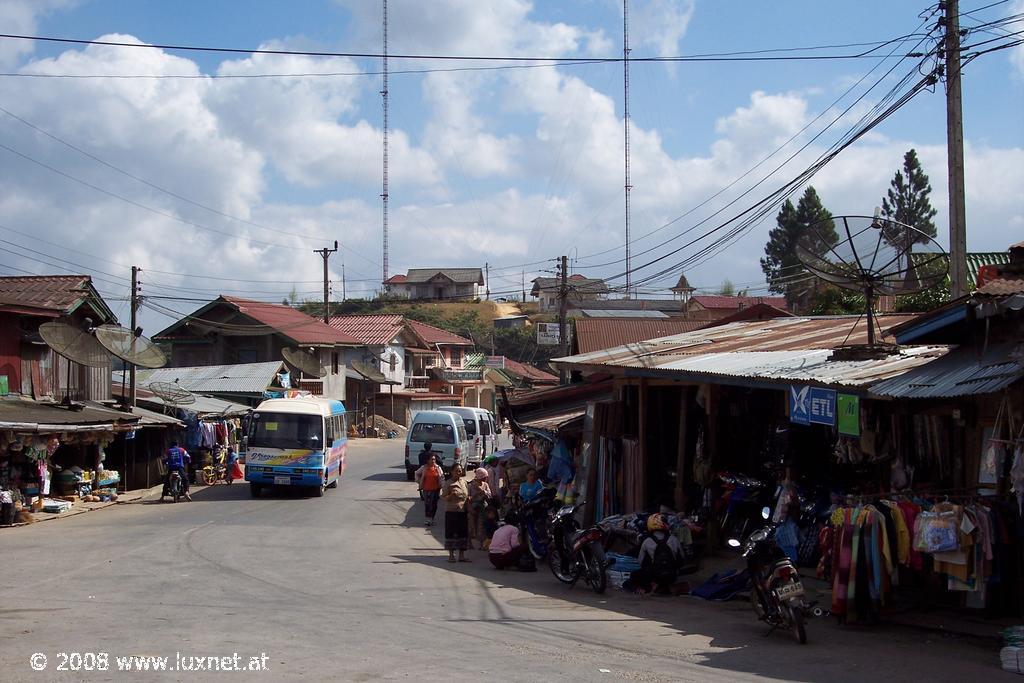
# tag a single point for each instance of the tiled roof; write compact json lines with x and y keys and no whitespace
{"x":292,"y":323}
{"x":594,"y":334}
{"x":735,"y":302}
{"x":461,"y":275}
{"x":435,"y":335}
{"x":1001,"y":287}
{"x":396,"y":279}
{"x":529,"y":372}
{"x":373,"y":330}
{"x":59,"y":294}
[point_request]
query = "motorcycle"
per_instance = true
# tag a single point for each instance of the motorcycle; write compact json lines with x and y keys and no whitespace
{"x":777,"y":596}
{"x":175,"y":486}
{"x":533,"y":522}
{"x":576,"y":553}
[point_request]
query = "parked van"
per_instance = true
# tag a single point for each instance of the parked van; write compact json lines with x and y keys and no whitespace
{"x":447,"y":434}
{"x":481,"y":430}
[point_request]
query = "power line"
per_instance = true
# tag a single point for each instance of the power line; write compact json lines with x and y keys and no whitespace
{"x":744,"y":55}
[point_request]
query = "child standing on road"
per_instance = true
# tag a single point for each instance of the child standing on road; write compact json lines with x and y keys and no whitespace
{"x":430,"y":478}
{"x":479,"y":496}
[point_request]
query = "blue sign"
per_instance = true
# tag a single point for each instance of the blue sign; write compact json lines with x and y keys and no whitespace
{"x":812,"y":405}
{"x":799,"y":412}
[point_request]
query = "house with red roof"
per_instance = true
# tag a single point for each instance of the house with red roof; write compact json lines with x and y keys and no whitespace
{"x":719,"y":305}
{"x":436,"y":284}
{"x":232,"y":330}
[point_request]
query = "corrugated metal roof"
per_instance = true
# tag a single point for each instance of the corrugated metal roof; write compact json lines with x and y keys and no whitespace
{"x":778,"y":350}
{"x":777,"y":334}
{"x":594,"y":334}
{"x":242,"y":378}
{"x":576,"y":283}
{"x":41,"y":416}
{"x":373,"y":330}
{"x":975,"y":260}
{"x":961,"y":372}
{"x":292,"y":323}
{"x":589,"y":313}
{"x":463,"y":275}
{"x":733,"y":303}
{"x":203,"y":405}
{"x":60,"y":294}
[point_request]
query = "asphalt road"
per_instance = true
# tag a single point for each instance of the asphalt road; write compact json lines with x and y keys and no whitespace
{"x":351,"y":586}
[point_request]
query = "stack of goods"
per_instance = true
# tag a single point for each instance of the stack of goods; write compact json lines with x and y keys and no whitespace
{"x":1012,"y":654}
{"x":55,"y":506}
{"x":621,"y":569}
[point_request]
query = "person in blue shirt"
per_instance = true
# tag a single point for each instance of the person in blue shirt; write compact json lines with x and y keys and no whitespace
{"x":176,"y":459}
{"x":529,"y":489}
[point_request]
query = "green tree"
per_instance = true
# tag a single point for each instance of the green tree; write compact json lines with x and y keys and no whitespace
{"x":727,"y":288}
{"x":907,"y":202}
{"x":782,"y":268}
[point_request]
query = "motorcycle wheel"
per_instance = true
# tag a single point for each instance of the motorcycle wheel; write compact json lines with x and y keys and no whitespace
{"x":209,"y":476}
{"x":176,"y":494}
{"x":796,"y":621}
{"x":563,"y":573}
{"x":598,"y":579}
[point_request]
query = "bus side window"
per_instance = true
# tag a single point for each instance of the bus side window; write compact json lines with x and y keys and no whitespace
{"x":328,"y":432}
{"x":344,"y":424}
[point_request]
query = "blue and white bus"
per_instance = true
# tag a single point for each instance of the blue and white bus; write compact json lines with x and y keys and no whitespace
{"x":296,"y":442}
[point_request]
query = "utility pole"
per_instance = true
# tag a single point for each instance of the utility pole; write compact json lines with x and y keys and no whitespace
{"x":563,"y":296}
{"x":134,"y":323}
{"x":326,"y":254}
{"x":959,"y":278}
{"x":343,"y":297}
{"x":384,"y":194}
{"x":524,"y":286}
{"x":487,"y":280}
{"x":625,"y":132}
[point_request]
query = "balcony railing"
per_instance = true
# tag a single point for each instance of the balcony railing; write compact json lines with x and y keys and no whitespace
{"x":417,"y":382}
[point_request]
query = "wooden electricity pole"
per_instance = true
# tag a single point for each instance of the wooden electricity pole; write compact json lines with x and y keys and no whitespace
{"x":563,"y":296}
{"x":959,"y":278}
{"x":326,"y":254}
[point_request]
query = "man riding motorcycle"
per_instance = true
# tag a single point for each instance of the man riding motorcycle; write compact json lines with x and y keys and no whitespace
{"x":176,"y":459}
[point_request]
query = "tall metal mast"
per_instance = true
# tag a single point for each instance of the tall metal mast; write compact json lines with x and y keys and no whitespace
{"x":625,"y":128}
{"x":384,"y":189}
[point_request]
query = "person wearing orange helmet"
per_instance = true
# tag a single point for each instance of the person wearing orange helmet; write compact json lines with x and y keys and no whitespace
{"x":660,"y":558}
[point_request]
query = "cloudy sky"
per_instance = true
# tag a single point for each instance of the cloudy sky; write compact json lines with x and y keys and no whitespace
{"x":220,"y":172}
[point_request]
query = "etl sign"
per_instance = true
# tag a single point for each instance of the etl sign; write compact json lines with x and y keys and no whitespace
{"x":811,"y":405}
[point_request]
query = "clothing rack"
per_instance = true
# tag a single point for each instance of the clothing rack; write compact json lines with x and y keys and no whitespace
{"x":959,"y":493}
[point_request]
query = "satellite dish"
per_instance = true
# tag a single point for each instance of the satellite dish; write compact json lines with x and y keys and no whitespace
{"x":171,"y":394}
{"x":873,"y":256}
{"x":305,"y":362}
{"x":74,"y":344}
{"x":129,"y":347}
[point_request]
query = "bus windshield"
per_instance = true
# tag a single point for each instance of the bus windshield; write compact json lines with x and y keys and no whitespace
{"x":286,"y":430}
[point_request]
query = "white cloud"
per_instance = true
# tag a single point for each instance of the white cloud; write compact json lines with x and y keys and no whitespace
{"x":1017,"y":53}
{"x":21,"y":17}
{"x":660,"y":24}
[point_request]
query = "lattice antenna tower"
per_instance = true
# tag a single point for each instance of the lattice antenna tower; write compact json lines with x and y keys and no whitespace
{"x":625,"y":128}
{"x":384,"y":179}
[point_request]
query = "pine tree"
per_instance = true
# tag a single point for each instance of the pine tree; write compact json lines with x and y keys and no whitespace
{"x":907,"y":202}
{"x":782,"y":268}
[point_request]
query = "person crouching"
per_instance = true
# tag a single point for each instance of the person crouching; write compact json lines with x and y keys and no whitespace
{"x":506,"y":548}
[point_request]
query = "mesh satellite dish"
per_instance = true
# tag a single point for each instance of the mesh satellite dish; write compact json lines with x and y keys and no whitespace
{"x":874,"y":256}
{"x":74,"y":344}
{"x":172,"y":394}
{"x":303,"y":361}
{"x":129,"y":347}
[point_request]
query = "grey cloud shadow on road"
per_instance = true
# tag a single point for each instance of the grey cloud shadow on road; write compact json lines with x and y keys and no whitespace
{"x":387,"y":476}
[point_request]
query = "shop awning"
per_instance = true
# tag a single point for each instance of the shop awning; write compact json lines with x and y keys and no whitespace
{"x":371,"y":373}
{"x":554,"y":421}
{"x":962,"y":372}
{"x":42,"y":417}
